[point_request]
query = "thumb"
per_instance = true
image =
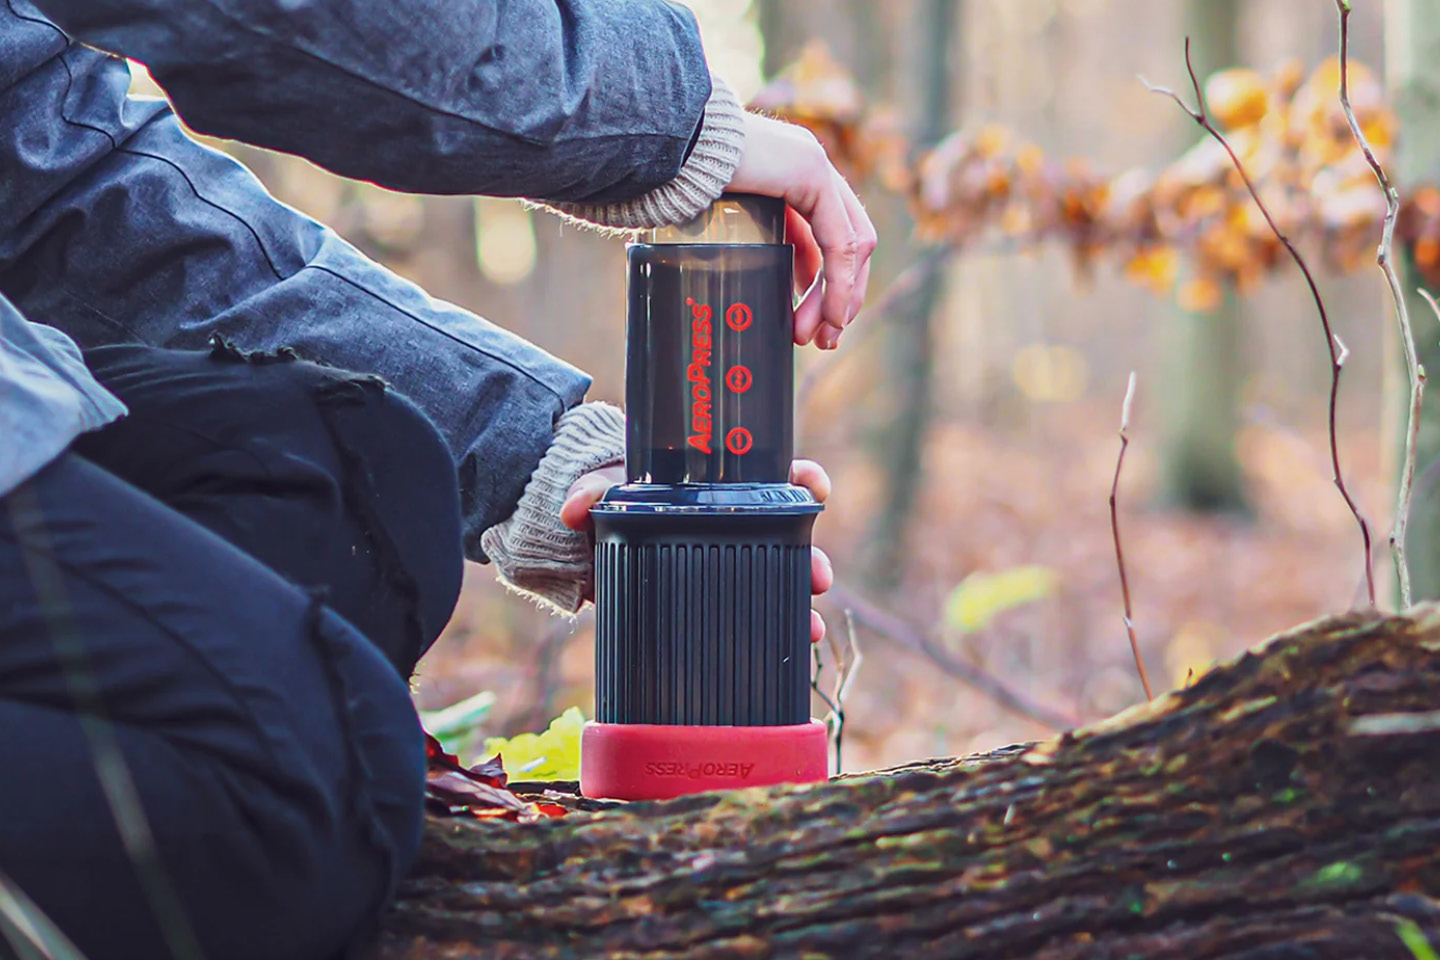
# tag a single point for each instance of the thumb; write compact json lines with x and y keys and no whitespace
{"x":584,"y":494}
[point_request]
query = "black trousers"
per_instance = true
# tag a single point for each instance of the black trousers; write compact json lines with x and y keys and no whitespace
{"x":208,"y":614}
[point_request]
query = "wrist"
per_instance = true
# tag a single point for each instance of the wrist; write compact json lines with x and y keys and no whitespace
{"x":533,"y":551}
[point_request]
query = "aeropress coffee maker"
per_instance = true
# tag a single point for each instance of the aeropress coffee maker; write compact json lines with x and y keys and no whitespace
{"x":702,"y":559}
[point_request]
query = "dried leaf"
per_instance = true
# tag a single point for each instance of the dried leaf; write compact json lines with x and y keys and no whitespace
{"x":458,"y":790}
{"x":1238,"y":97}
{"x":1200,"y":295}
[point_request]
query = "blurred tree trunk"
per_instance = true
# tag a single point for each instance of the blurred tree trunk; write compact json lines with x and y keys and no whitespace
{"x":1285,"y":805}
{"x":909,"y":342}
{"x":1202,"y":350}
{"x":1412,"y":58}
{"x":779,"y":33}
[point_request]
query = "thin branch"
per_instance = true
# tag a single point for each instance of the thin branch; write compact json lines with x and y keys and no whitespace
{"x":897,"y":630}
{"x":857,"y":657}
{"x":1384,"y":257}
{"x":1332,"y":343}
{"x":846,"y":667}
{"x":818,"y":665}
{"x":1115,"y":531}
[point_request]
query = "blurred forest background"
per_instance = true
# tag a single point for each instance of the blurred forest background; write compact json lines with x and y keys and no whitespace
{"x":969,"y":421}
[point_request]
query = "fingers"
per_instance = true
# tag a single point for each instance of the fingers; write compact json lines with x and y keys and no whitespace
{"x":827,"y":336}
{"x":807,"y":315}
{"x":817,"y":627}
{"x":584,"y":494}
{"x":822,"y":573}
{"x":824,"y":206}
{"x":831,"y":231}
{"x":866,"y":237}
{"x":811,"y":476}
{"x":807,"y":252}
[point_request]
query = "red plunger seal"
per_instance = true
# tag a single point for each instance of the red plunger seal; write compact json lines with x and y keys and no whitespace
{"x":652,"y":761}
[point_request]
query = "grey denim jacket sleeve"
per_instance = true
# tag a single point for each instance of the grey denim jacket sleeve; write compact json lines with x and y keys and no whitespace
{"x":116,"y":226}
{"x":579,"y":100}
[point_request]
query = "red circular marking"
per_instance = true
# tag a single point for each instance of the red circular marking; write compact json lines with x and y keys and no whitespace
{"x":738,"y":378}
{"x":739,"y":316}
{"x":739,"y":441}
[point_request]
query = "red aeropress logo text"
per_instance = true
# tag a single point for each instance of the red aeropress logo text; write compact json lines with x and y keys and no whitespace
{"x":738,"y":378}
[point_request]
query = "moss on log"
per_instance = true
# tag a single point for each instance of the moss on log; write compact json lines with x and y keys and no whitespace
{"x":1287,"y":804}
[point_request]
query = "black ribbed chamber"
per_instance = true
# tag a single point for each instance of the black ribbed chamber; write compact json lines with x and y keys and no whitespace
{"x":703,"y":622}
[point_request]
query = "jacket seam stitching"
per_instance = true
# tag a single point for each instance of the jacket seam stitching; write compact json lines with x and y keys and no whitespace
{"x":433,"y":327}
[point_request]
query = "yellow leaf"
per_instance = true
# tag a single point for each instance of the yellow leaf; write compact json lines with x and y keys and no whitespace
{"x":1192,"y":651}
{"x":1237,"y":97}
{"x":1154,"y":267}
{"x":1200,"y":295}
{"x":992,"y":140}
{"x":1029,"y":160}
{"x":982,"y":596}
{"x":552,"y":755}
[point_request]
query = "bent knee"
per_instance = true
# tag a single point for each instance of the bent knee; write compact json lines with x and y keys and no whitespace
{"x":407,"y":475}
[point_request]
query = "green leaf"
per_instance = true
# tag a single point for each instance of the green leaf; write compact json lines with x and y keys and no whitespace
{"x":1415,"y":940}
{"x":1339,"y":872}
{"x":983,"y":596}
{"x":552,"y":755}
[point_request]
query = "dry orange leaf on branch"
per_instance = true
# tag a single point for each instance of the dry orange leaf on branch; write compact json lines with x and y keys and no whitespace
{"x":988,"y":186}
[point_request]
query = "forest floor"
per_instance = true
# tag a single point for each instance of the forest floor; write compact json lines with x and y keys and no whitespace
{"x":1020,"y":493}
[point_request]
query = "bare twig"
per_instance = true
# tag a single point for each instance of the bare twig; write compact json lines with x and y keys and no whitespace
{"x":825,"y":698}
{"x":847,"y":665}
{"x":1384,"y":257}
{"x":1115,"y":531}
{"x":910,"y":637}
{"x":1332,"y":343}
{"x":852,"y":666}
{"x":1430,"y":300}
{"x":818,"y":664}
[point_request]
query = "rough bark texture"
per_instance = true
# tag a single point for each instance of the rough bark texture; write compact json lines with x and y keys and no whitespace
{"x":1286,"y":805}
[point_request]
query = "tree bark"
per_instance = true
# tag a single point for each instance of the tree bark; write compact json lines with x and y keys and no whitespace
{"x":1286,"y":804}
{"x":907,"y":349}
{"x":1204,"y":351}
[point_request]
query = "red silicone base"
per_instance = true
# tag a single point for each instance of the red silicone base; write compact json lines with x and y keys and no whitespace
{"x":647,"y":761}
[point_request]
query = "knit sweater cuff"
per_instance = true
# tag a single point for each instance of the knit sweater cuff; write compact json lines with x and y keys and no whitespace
{"x":704,"y":175}
{"x":533,"y":552}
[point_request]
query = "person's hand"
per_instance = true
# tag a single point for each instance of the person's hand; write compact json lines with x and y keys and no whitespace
{"x":832,"y":234}
{"x":587,"y":491}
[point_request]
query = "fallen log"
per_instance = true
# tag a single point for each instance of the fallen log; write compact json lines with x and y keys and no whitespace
{"x":1287,"y":804}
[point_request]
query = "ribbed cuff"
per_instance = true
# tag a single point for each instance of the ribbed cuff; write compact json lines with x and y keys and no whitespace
{"x":533,"y":552}
{"x":704,"y":175}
